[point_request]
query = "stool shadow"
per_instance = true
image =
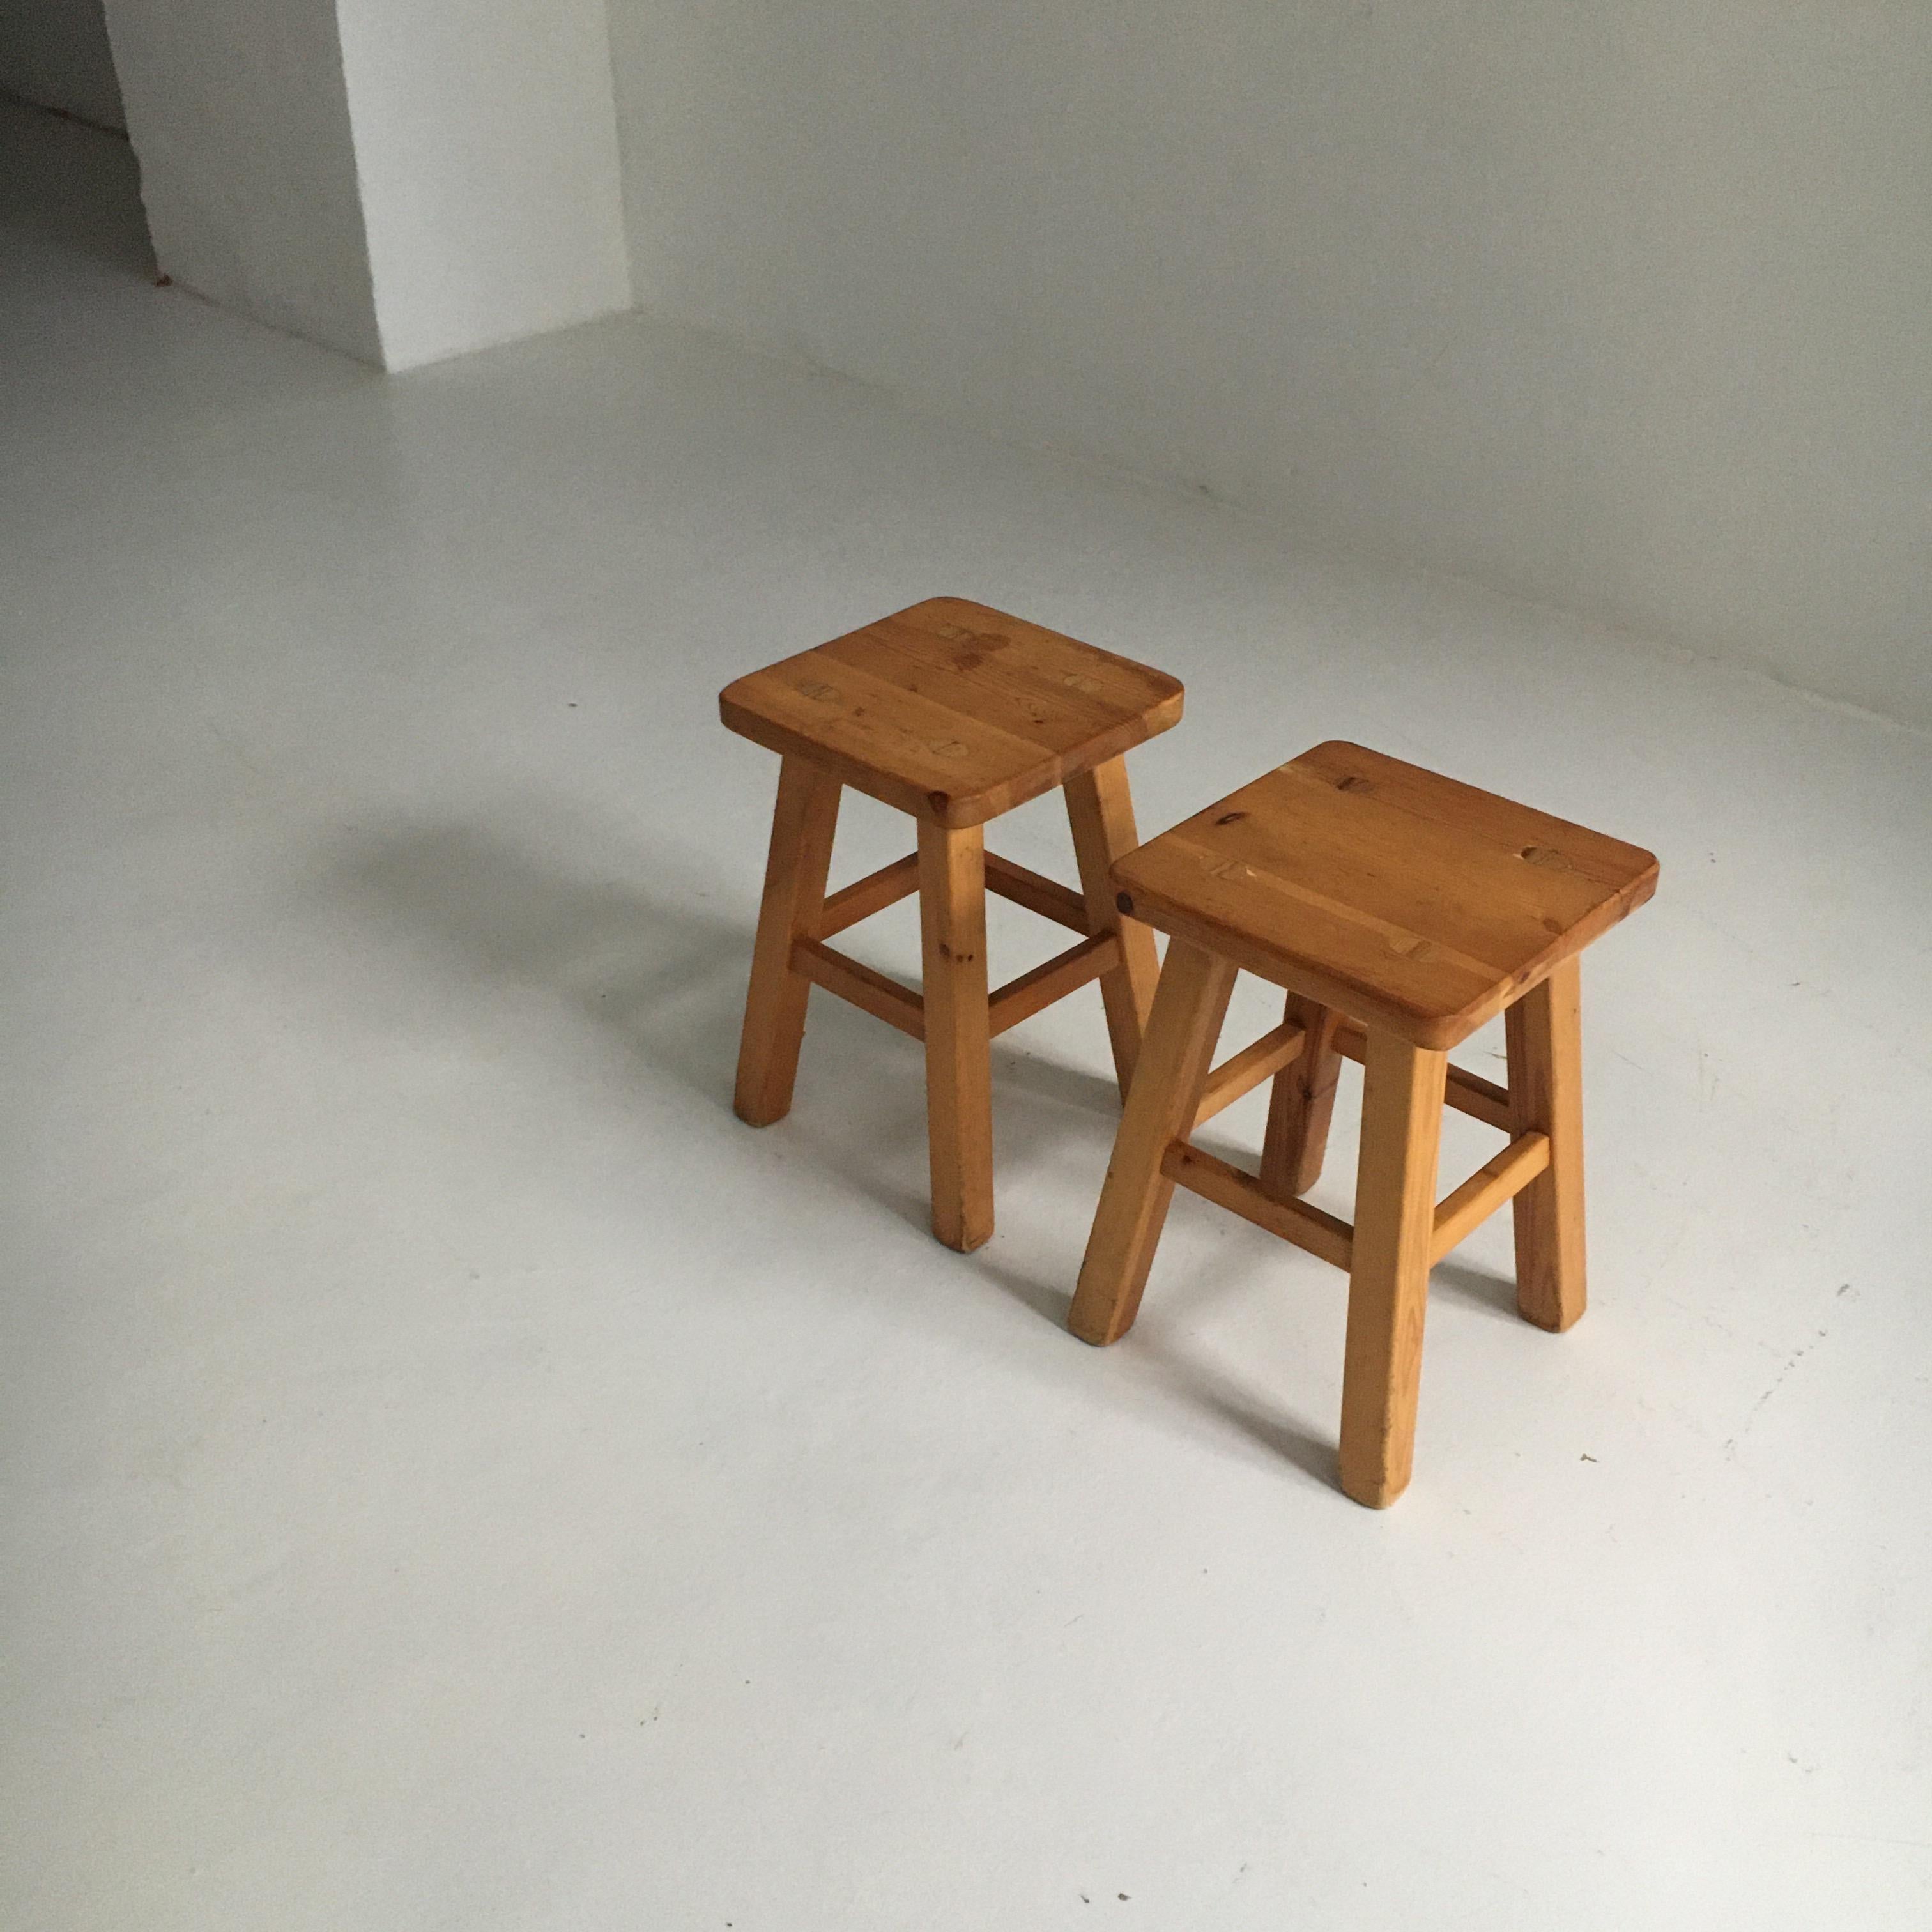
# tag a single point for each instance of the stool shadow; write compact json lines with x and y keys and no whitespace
{"x":1050,"y":1080}
{"x":1493,"y":1295}
{"x":632,"y":948}
{"x":1205,"y":1401}
{"x":1283,"y":1438}
{"x":1048,"y":1301}
{"x":1210,"y":1390}
{"x":664,"y":978}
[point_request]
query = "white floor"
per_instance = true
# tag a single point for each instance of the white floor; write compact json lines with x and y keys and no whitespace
{"x":457,"y":1475}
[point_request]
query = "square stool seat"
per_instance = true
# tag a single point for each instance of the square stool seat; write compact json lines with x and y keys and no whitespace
{"x":951,"y":711}
{"x":1398,"y":909}
{"x":1411,"y":902}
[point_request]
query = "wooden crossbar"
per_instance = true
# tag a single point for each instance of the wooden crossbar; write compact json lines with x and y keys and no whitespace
{"x":1249,"y":1068}
{"x":1037,"y":892}
{"x":1322,"y":1234}
{"x":838,"y":973}
{"x":1468,"y":1093}
{"x":900,"y":880}
{"x":1020,"y":999}
{"x":1333,"y":1240}
{"x":1486,"y":1190}
{"x":873,"y":893}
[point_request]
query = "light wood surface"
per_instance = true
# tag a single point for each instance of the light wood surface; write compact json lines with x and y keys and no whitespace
{"x":1398,"y":909}
{"x":873,"y":893}
{"x":1036,"y":892}
{"x":803,"y":825}
{"x":875,"y":992}
{"x":1544,"y":1037}
{"x":952,"y":711}
{"x":1053,"y":980}
{"x":955,"y":713}
{"x":1100,"y":811}
{"x":1296,"y":1145}
{"x":1468,"y":1093}
{"x":1414,"y":904}
{"x":1189,"y":1004}
{"x":1496,"y":1181}
{"x":1388,"y":1281}
{"x":958,"y":1070}
{"x":1319,"y":1232}
{"x":1245,"y":1070}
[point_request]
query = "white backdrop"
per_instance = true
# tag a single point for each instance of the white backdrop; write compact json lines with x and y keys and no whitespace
{"x":1617,"y":303}
{"x":403,"y":180}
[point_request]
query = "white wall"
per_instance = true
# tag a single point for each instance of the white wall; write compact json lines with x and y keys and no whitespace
{"x":54,"y":53}
{"x":486,"y":140}
{"x":401,"y":179}
{"x":1620,"y":303}
{"x":240,"y":122}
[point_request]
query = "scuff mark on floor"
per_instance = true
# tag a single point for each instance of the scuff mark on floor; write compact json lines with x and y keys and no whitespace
{"x":1778,"y":1381}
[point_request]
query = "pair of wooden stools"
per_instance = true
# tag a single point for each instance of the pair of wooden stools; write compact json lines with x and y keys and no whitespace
{"x":1398,"y":909}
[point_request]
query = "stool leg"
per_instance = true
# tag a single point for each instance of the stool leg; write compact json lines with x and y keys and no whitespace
{"x":1388,"y":1285}
{"x":1544,"y":1034}
{"x":1189,"y":1007}
{"x":958,"y":1067}
{"x":1303,"y":1100}
{"x":1100,"y":810}
{"x":803,"y":825}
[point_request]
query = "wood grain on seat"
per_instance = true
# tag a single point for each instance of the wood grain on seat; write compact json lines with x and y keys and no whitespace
{"x":952,"y":711}
{"x":1411,"y":901}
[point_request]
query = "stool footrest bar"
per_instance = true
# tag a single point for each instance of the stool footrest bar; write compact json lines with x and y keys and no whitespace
{"x":873,"y":893}
{"x":1468,"y":1093}
{"x":1486,"y":1190}
{"x":884,"y":998}
{"x":1294,"y":1221}
{"x":1249,"y":1068}
{"x":1020,"y":999}
{"x":1037,"y":892}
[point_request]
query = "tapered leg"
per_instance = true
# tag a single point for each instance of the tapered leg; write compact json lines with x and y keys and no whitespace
{"x":1546,"y":1083}
{"x":1100,"y":810}
{"x":958,"y":1067}
{"x":1175,"y":1061}
{"x":1388,"y":1285}
{"x":803,"y":825}
{"x":1303,"y":1100}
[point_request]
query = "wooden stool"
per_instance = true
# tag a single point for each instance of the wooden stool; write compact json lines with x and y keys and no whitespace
{"x":1400,"y":910}
{"x":954,"y":713}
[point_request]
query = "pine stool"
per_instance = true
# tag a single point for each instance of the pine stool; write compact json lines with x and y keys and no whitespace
{"x":955,"y":713}
{"x":1400,"y":910}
